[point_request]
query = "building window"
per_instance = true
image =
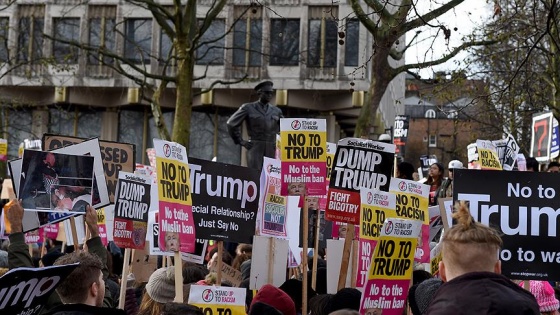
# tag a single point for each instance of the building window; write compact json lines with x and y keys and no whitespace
{"x":284,"y":42}
{"x":101,"y":32}
{"x":138,"y":41}
{"x":165,"y":46}
{"x":432,"y":141}
{"x":352,"y":43}
{"x":247,"y":37}
{"x":30,"y":39}
{"x":4,"y":31}
{"x":323,"y":33}
{"x":210,"y":47}
{"x":430,"y":113}
{"x":66,"y":30}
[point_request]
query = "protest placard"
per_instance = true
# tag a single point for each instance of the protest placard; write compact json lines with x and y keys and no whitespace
{"x":216,"y":300}
{"x":272,"y":213}
{"x":435,"y":257}
{"x":131,"y":210}
{"x":376,"y":206}
{"x":80,"y":231}
{"x":143,"y":264}
{"x":523,"y":207}
{"x":269,"y":266}
{"x":152,"y":238}
{"x":55,"y":182}
{"x":391,"y":268}
{"x":293,"y":224}
{"x":225,"y":200}
{"x":400,"y":135}
{"x":115,"y":157}
{"x":51,"y":231}
{"x":412,"y":203}
{"x":331,"y":151}
{"x":507,"y":151}
{"x":176,"y":222}
{"x":541,"y":136}
{"x":555,"y":141}
{"x":229,"y":274}
{"x":487,"y":155}
{"x":436,"y":223}
{"x":101,"y":224}
{"x":304,"y":156}
{"x":358,"y":163}
{"x":335,"y":249}
{"x":34,"y":237}
{"x":26,"y":290}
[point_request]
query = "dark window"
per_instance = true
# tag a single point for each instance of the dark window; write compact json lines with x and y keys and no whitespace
{"x":4,"y":31}
{"x":165,"y":46}
{"x":30,"y":40}
{"x":66,"y":30}
{"x":240,"y":45}
{"x":322,"y":45}
{"x":211,"y":44}
{"x":284,"y":42}
{"x":352,"y":43}
{"x":102,"y":36}
{"x":138,"y":41}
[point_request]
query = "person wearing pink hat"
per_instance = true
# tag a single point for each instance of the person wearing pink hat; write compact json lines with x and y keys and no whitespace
{"x":544,"y":293}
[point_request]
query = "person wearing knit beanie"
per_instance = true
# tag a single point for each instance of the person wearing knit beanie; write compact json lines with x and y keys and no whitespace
{"x":276,"y":298}
{"x":420,"y":295}
{"x":544,"y":293}
{"x":161,"y":285}
{"x":346,"y":298}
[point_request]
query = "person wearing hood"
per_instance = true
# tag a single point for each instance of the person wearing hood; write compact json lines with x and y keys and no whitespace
{"x":471,"y":271}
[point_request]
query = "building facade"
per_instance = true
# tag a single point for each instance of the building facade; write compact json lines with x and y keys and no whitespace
{"x":440,"y":118}
{"x":313,"y":51}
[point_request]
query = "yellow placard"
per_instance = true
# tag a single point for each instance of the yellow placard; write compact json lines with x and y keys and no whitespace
{"x":173,"y":181}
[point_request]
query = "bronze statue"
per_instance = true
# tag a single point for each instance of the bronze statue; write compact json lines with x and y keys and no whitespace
{"x":263,"y":123}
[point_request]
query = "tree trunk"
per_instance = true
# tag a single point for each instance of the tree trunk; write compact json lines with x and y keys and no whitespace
{"x":183,"y":104}
{"x":381,"y":76}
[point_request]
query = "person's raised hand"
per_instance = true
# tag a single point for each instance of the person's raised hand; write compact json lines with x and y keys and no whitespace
{"x":247,"y":144}
{"x":91,"y":221}
{"x":15,"y":215}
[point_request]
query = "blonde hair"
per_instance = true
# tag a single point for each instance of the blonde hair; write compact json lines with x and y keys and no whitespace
{"x":148,"y":306}
{"x":470,"y":246}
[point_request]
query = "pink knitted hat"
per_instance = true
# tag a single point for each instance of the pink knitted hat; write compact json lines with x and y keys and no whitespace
{"x":544,"y":293}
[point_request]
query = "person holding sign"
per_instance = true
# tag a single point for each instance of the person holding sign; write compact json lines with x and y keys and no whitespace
{"x":262,"y":119}
{"x":435,"y":178}
{"x":471,"y":271}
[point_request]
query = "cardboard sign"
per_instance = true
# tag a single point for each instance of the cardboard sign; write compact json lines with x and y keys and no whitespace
{"x":54,"y":182}
{"x":358,"y":163}
{"x":215,"y":300}
{"x":391,"y":268}
{"x":152,"y":237}
{"x":225,"y":200}
{"x":541,"y":136}
{"x":507,"y":151}
{"x":272,"y":213}
{"x":176,"y":222}
{"x":335,"y":252}
{"x":400,"y":134}
{"x":26,"y":290}
{"x":131,"y":210}
{"x":115,"y":156}
{"x":523,"y":207}
{"x":275,"y":258}
{"x":304,"y":156}
{"x":376,"y":206}
{"x":412,"y":203}
{"x":229,"y":274}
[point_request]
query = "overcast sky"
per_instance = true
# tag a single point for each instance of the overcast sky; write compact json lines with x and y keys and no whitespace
{"x":466,"y":16}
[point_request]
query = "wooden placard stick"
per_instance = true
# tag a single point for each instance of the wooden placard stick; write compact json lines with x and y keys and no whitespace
{"x":316,"y":249}
{"x":304,"y":258}
{"x":178,"y":278}
{"x":74,"y":234}
{"x":345,"y":256}
{"x":271,"y":250}
{"x":354,"y":273}
{"x":126,"y":264}
{"x":220,"y":255}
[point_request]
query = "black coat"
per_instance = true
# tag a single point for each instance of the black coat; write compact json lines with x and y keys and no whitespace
{"x":482,"y":293}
